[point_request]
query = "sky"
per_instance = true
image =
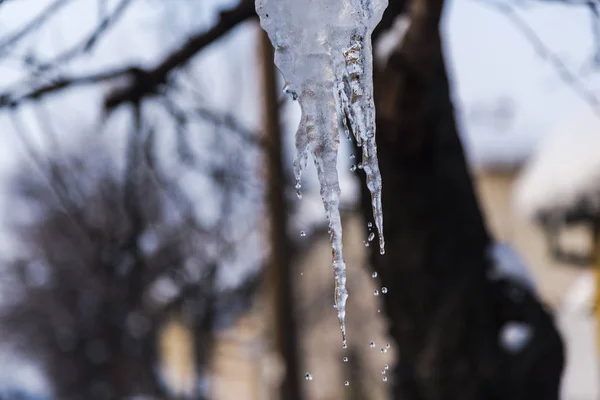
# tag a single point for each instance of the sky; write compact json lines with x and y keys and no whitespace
{"x":490,"y":59}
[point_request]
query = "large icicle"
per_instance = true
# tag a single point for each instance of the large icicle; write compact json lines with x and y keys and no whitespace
{"x":323,"y":49}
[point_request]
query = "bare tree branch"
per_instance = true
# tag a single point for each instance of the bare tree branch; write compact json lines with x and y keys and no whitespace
{"x":34,"y":24}
{"x":564,"y":73}
{"x":158,"y":75}
{"x":9,"y":99}
{"x":89,"y":42}
{"x":144,"y":82}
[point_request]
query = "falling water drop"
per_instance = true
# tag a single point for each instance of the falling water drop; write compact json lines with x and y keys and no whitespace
{"x":302,"y":233}
{"x":376,"y":292}
{"x":386,"y":367}
{"x":371,"y":236}
{"x":372,"y":345}
{"x":387,"y":346}
{"x":370,"y":225}
{"x":353,"y":168}
{"x":346,"y":383}
{"x":374,"y":275}
{"x":384,"y":290}
{"x":345,"y":359}
{"x":385,"y":378}
{"x":308,"y":377}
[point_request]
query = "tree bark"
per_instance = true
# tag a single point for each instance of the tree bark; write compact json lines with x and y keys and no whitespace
{"x":445,"y":313}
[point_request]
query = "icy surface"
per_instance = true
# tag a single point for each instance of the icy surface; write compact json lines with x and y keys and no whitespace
{"x":323,"y":49}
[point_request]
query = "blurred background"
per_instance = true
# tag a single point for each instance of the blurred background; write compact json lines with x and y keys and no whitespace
{"x":152,"y":245}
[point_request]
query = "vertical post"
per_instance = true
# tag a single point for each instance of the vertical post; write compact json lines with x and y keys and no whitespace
{"x":279,"y":283}
{"x":596,"y":268}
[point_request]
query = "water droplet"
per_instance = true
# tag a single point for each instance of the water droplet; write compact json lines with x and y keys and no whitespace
{"x":301,"y":273}
{"x":360,"y":166}
{"x":384,"y":290}
{"x":386,"y":367}
{"x":376,"y":292}
{"x":345,"y":359}
{"x":385,"y":378}
{"x":352,"y":156}
{"x":308,"y":377}
{"x":374,"y":275}
{"x":378,"y":311}
{"x":345,"y":345}
{"x":346,"y":383}
{"x":370,"y":225}
{"x":302,"y":233}
{"x":371,"y":236}
{"x":366,"y":243}
{"x":381,"y":251}
{"x":383,"y":371}
{"x":383,"y":351}
{"x":372,"y":345}
{"x":353,"y":168}
{"x":298,"y":187}
{"x":387,"y":346}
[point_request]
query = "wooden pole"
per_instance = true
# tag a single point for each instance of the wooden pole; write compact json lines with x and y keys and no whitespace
{"x":596,"y":269}
{"x":279,"y":276}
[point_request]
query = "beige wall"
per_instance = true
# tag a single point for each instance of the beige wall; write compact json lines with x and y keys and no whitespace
{"x":245,"y":368}
{"x":553,"y":278}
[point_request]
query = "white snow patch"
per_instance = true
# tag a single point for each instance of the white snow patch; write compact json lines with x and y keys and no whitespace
{"x":391,"y":39}
{"x":514,"y":336}
{"x":509,"y":264}
{"x":580,"y":296}
{"x":564,"y":170}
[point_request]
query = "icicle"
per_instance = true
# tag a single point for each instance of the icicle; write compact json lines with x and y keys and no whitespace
{"x":323,"y":48}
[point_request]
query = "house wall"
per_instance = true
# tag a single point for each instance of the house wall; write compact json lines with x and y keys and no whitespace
{"x":553,"y":278}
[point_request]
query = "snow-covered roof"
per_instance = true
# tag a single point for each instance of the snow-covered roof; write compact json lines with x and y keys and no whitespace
{"x":564,"y":171}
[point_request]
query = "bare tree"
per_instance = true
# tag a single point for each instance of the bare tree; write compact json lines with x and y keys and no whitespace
{"x":107,"y":258}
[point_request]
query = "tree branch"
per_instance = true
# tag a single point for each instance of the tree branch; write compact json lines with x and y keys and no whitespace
{"x":563,"y":72}
{"x":144,"y":82}
{"x":33,"y":24}
{"x":158,"y":75}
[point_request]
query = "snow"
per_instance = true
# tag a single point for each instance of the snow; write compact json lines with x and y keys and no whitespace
{"x":390,"y":39}
{"x":564,"y":170}
{"x":514,"y":336}
{"x":578,"y":327}
{"x":508,"y":264}
{"x":323,"y":49}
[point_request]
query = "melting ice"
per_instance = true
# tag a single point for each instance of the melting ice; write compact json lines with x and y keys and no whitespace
{"x":323,"y":49}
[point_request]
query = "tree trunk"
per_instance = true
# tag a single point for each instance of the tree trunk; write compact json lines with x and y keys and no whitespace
{"x":445,"y":314}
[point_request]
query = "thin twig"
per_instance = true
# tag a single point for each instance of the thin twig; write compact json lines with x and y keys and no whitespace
{"x":561,"y":69}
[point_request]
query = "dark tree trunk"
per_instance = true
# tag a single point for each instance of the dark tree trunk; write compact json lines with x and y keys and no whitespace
{"x":445,"y":313}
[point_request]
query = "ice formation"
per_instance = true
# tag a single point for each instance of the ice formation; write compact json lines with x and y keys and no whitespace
{"x":323,"y":49}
